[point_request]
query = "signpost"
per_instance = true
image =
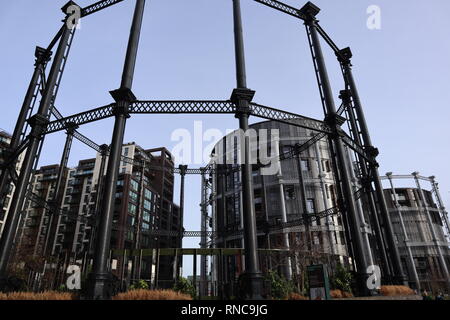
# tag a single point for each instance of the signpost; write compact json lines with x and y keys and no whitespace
{"x":319,"y":284}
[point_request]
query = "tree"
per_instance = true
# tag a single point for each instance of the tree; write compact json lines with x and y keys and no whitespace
{"x":185,"y":286}
{"x":280,"y":288}
{"x":342,"y":279}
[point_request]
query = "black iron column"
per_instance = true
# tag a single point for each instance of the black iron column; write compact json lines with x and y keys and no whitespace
{"x":183,"y":170}
{"x":242,"y":97}
{"x":42,"y":57}
{"x":399,"y":275}
{"x":99,"y":279}
{"x":335,"y":122}
{"x":38,"y":125}
{"x":104,"y":149}
{"x":345,"y":95}
{"x":55,"y":205}
{"x":302,"y":199}
{"x":136,"y":266}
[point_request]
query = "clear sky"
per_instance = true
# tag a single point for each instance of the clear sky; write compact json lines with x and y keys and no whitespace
{"x":187,"y":52}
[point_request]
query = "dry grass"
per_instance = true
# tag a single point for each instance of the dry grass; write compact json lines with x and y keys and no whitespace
{"x":394,"y":291}
{"x":48,"y":295}
{"x":339,"y":294}
{"x":152,"y":295}
{"x":296,"y":296}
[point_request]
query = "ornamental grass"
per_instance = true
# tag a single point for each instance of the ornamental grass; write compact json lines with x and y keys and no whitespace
{"x":394,"y":291}
{"x":47,"y":295}
{"x":142,"y":294}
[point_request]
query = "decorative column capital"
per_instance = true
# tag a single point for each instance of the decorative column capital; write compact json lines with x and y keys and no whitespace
{"x":344,"y":56}
{"x":42,"y":55}
{"x":183,"y":169}
{"x":309,"y":11}
{"x":104,"y":149}
{"x":242,"y":97}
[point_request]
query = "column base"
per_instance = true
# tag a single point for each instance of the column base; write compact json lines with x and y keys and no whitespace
{"x":99,"y":287}
{"x":362,"y":287}
{"x":251,"y":286}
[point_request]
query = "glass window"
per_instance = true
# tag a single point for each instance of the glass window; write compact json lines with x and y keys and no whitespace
{"x":130,"y":221}
{"x":133,"y":196}
{"x":305,"y":164}
{"x":134,"y":185}
{"x":311,"y":206}
{"x":289,"y":192}
{"x":147,"y":205}
{"x":148,"y":194}
{"x":146,"y":216}
{"x":145,"y":226}
{"x":132,"y":209}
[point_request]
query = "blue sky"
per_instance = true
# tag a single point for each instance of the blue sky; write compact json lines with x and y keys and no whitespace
{"x":187,"y":52}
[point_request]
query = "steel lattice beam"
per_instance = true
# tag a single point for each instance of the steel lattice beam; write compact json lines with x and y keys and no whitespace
{"x":81,"y":118}
{"x":100,"y":5}
{"x":289,"y":118}
{"x":77,"y":135}
{"x":280,"y":6}
{"x":188,"y":106}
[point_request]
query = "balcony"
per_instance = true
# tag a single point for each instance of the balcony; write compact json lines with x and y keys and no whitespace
{"x":75,"y":182}
{"x":82,"y":173}
{"x":48,"y":178}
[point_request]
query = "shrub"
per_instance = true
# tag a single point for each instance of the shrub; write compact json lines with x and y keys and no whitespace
{"x":296,"y":296}
{"x":141,"y":284}
{"x":47,"y":295}
{"x":342,"y":279}
{"x":392,"y":291}
{"x":280,"y":288}
{"x":141,"y":294}
{"x":185,"y":286}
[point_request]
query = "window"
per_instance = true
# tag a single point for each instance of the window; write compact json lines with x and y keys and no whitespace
{"x":145,"y":226}
{"x":130,"y":221}
{"x":304,"y":164}
{"x":148,"y":194}
{"x":133,"y":196}
{"x":146,"y":216}
{"x":120,"y":182}
{"x":130,"y":235}
{"x":132,"y":209}
{"x":147,"y":205}
{"x":326,"y":166}
{"x":125,"y":152}
{"x":310,"y":205}
{"x":289,"y":192}
{"x":134,"y":185}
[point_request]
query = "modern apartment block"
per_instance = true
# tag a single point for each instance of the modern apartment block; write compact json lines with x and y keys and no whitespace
{"x":279,"y":197}
{"x":5,"y":140}
{"x":421,"y":226}
{"x":143,"y":203}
